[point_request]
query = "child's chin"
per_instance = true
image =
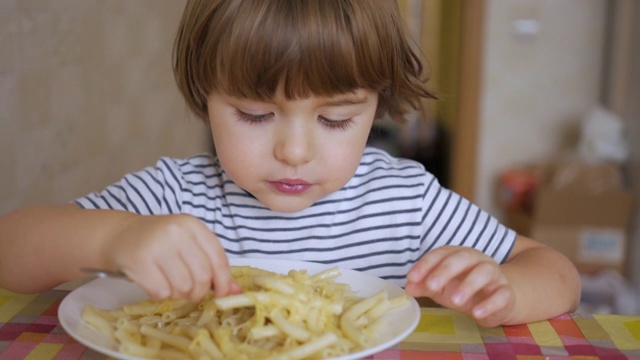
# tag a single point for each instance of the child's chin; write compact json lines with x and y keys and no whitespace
{"x":292,"y":205}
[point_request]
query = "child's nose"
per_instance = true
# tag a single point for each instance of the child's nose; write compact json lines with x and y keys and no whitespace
{"x":294,"y":145}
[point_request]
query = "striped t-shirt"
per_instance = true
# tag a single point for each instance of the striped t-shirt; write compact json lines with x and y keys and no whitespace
{"x":382,"y":221}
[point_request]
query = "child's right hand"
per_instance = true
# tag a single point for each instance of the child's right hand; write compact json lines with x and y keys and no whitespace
{"x":171,"y":256}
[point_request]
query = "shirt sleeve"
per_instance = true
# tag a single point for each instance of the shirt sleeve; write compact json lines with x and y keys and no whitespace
{"x":152,"y":191}
{"x":450,"y":219}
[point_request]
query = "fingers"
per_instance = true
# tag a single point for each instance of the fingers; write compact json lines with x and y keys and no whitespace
{"x":162,"y":276}
{"x":434,"y":270}
{"x":493,"y":310}
{"x":207,"y":262}
{"x":178,"y":275}
{"x":423,"y":266}
{"x":482,"y":276}
{"x":174,"y":256}
{"x":154,"y":283}
{"x":463,"y":279}
{"x":221,"y":279}
{"x":198,"y":270}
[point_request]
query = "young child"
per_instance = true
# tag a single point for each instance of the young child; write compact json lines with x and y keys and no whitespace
{"x":290,"y":90}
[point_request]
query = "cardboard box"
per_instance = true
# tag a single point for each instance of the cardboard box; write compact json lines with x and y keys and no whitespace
{"x":581,"y":210}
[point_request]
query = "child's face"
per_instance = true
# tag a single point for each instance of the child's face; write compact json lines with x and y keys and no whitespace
{"x":291,"y":153}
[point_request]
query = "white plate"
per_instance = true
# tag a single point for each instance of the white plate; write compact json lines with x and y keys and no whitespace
{"x":113,"y":293}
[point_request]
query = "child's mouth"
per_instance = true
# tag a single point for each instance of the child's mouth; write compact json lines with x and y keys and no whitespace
{"x":290,"y":186}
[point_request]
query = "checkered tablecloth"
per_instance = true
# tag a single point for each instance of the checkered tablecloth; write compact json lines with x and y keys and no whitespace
{"x":29,"y":329}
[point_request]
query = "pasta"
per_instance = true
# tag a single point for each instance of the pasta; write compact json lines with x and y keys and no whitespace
{"x":292,"y":316}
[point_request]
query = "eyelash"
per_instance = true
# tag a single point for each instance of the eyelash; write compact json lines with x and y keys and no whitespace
{"x":251,"y":119}
{"x":331,"y":124}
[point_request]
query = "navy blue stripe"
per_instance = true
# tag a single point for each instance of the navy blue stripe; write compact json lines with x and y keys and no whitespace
{"x":318,"y":237}
{"x":135,"y":189}
{"x":175,"y":177}
{"x":318,"y":250}
{"x":384,"y":177}
{"x":485,"y":249}
{"x":508,"y":253}
{"x":453,"y":215}
{"x":387,"y":169}
{"x":387,"y":265}
{"x":437,"y":219}
{"x":150,"y":191}
{"x":481,"y":234}
{"x":301,"y":217}
{"x":426,"y":233}
{"x":156,"y":180}
{"x":104,"y":200}
{"x":168,"y":188}
{"x":176,"y":180}
{"x":390,"y":187}
{"x":460,"y":222}
{"x":500,"y":243}
{"x":472,"y":226}
{"x":314,"y":226}
{"x":116,"y":198}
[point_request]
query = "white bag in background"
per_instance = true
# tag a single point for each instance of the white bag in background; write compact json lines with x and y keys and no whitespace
{"x":602,"y":137}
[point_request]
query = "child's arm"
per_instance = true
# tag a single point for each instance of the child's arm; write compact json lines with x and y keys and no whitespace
{"x":169,"y":256}
{"x":535,"y":283}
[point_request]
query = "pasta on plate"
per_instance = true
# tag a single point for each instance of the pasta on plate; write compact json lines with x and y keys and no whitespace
{"x":278,"y":316}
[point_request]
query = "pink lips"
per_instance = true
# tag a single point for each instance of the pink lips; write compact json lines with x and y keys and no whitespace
{"x":290,"y":186}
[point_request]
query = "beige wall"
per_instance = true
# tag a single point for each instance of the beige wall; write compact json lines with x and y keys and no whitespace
{"x":535,"y":88}
{"x":86,"y":95}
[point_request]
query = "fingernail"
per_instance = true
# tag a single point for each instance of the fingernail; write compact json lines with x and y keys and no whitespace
{"x":235,"y":288}
{"x":434,"y":284}
{"x":164,"y":294}
{"x":479,"y":312}
{"x":458,"y":298}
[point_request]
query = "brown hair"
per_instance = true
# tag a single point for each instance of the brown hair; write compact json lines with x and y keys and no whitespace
{"x":247,"y":48}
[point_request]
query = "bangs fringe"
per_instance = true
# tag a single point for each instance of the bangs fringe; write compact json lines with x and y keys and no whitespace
{"x":307,"y":47}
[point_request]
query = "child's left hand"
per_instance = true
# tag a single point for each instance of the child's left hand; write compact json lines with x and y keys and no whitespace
{"x":466,"y":280}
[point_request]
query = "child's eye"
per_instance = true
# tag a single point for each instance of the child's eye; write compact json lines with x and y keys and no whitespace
{"x":336,"y":124}
{"x":251,"y":118}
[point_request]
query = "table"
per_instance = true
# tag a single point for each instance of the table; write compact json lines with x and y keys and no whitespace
{"x":29,"y":329}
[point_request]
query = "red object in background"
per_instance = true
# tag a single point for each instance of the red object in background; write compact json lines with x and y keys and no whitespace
{"x":517,"y":188}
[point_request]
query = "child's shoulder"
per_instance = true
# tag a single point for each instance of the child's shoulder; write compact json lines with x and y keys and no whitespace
{"x":380,"y":172}
{"x":199,"y":161}
{"x":378,"y":166}
{"x":375,"y":158}
{"x":203,"y":164}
